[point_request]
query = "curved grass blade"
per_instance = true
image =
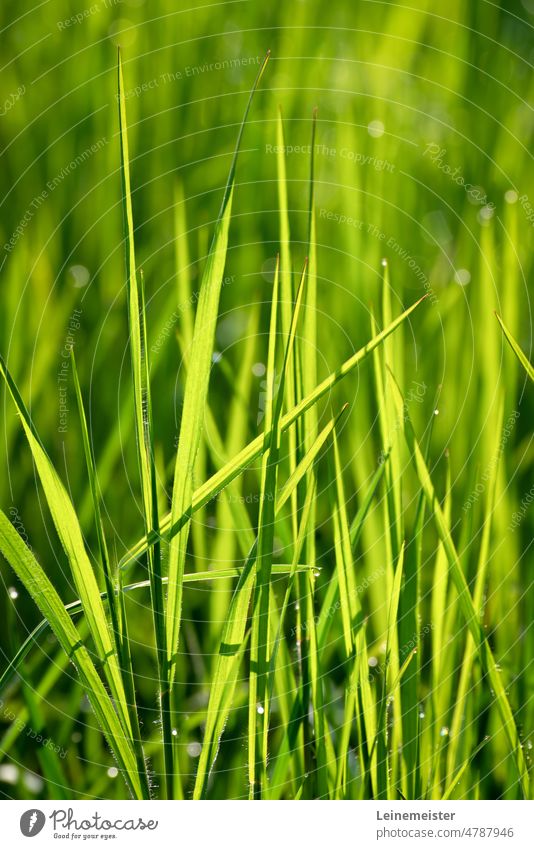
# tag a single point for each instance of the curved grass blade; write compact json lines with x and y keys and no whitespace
{"x":30,"y":573}
{"x":117,"y":614}
{"x":69,"y":532}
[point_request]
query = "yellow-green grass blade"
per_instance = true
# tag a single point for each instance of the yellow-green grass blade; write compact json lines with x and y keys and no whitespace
{"x":465,"y":682}
{"x":456,"y":779}
{"x":109,"y":581}
{"x":69,"y":532}
{"x":234,"y":527}
{"x":182,"y":267}
{"x":465,"y":600}
{"x":32,"y":576}
{"x":331,"y":601}
{"x":143,"y":430}
{"x":286,"y":292}
{"x":196,"y":390}
{"x":306,"y":430}
{"x":257,"y":446}
{"x":516,"y":349}
{"x":409,"y":627}
{"x":438,"y":607}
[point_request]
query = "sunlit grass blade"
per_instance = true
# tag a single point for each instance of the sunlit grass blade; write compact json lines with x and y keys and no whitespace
{"x":196,"y":390}
{"x":465,"y":682}
{"x":144,"y":434}
{"x":69,"y":532}
{"x":331,"y":601}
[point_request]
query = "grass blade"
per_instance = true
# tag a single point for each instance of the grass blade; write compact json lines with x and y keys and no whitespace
{"x":516,"y":349}
{"x":69,"y":532}
{"x":43,"y":593}
{"x":196,"y":391}
{"x":144,"y":433}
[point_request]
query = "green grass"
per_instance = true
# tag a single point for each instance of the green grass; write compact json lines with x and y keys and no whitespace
{"x":278,"y":547}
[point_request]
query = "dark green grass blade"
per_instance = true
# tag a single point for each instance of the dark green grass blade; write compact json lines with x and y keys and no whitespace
{"x":464,"y":596}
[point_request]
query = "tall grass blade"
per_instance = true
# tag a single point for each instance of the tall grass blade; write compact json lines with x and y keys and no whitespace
{"x":196,"y":390}
{"x":144,"y":434}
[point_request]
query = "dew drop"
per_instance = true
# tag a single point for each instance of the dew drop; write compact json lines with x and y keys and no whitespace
{"x":80,"y":276}
{"x":194,"y":749}
{"x":113,"y":772}
{"x":13,"y":593}
{"x":260,"y":709}
{"x":462,"y":277}
{"x":375,"y":129}
{"x":444,"y":731}
{"x":9,"y":773}
{"x":34,"y":783}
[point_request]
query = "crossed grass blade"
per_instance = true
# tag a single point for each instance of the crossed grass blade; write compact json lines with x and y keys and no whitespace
{"x":170,"y":527}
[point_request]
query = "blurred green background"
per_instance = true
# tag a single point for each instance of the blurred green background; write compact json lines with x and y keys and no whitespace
{"x":410,"y":103}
